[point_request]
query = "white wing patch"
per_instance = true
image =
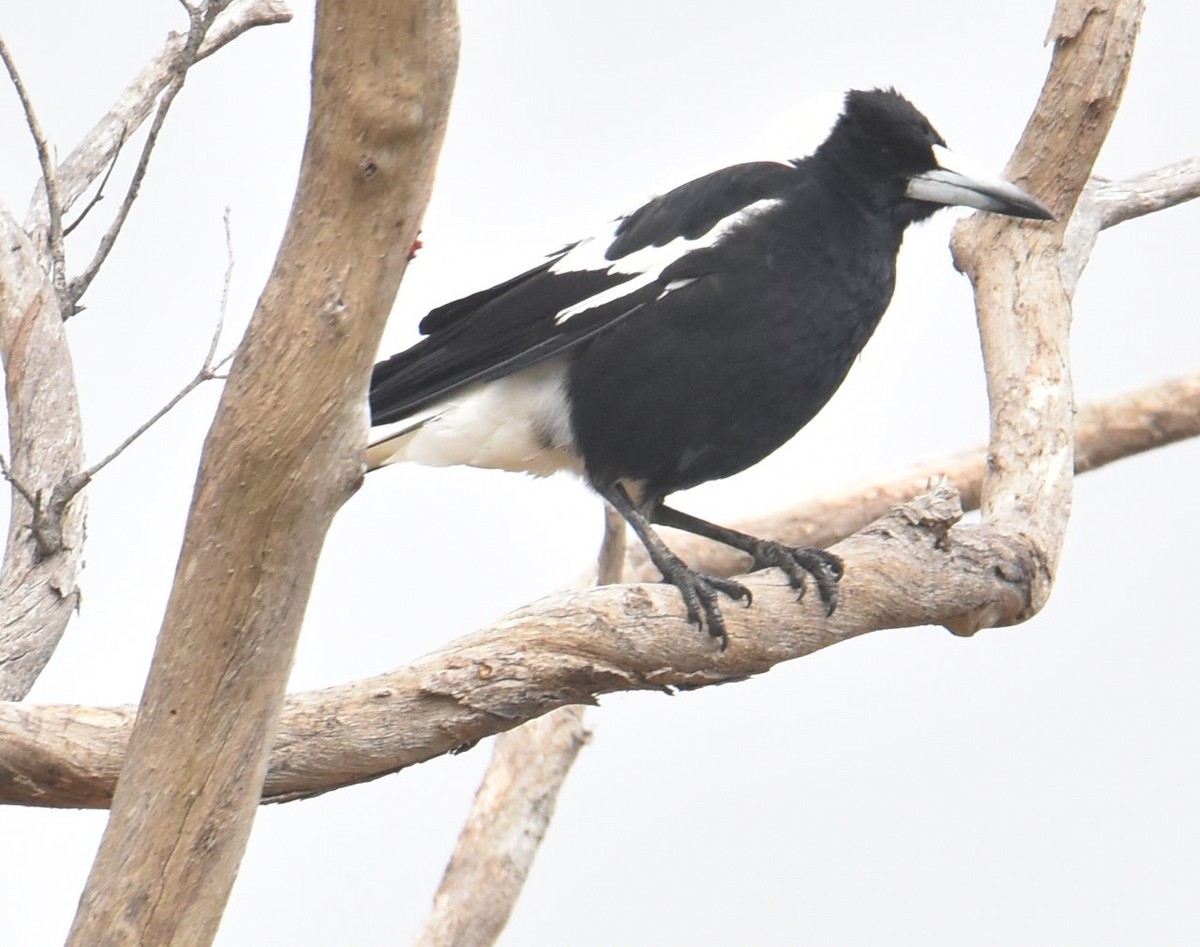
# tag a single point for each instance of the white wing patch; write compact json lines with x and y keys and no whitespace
{"x":645,"y":265}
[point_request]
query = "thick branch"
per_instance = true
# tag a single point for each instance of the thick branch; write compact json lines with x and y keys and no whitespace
{"x":44,"y":550}
{"x":1021,"y":296}
{"x":513,"y":807}
{"x":507,"y":822}
{"x":282,"y":456}
{"x":1105,"y":431}
{"x":913,"y":567}
{"x":69,"y":756}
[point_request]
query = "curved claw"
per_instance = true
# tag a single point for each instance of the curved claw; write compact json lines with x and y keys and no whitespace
{"x":798,"y":562}
{"x":700,"y":593}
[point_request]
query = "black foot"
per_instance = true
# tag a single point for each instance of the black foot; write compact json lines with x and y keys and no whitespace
{"x":700,"y":591}
{"x":798,"y":562}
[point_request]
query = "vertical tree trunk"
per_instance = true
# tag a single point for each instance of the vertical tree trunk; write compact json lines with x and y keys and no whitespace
{"x":282,"y":456}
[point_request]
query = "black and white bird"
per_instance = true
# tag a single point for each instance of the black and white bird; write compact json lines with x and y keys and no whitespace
{"x":690,"y":340}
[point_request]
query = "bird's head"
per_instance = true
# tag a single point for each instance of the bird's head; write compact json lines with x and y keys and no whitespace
{"x":882,"y":143}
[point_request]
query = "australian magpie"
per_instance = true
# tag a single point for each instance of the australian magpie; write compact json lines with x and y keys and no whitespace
{"x":689,"y":340}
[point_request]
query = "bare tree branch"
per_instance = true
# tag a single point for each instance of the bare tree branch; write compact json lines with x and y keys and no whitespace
{"x":1105,"y":204}
{"x":1150,"y":192}
{"x":100,"y":146}
{"x":200,"y":21}
{"x":49,"y":176}
{"x":912,"y":567}
{"x":1021,"y":296}
{"x":69,"y":756}
{"x":43,"y":553}
{"x":1105,"y":431}
{"x":98,"y":196}
{"x":508,"y":819}
{"x":283,"y":454}
{"x":44,"y":549}
{"x":513,"y":807}
{"x":207,"y":372}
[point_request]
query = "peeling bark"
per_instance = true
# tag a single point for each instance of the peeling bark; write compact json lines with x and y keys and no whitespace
{"x":39,"y":584}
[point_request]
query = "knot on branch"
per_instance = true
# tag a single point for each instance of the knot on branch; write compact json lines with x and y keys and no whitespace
{"x":936,"y":510}
{"x":46,"y":513}
{"x":932,"y":514}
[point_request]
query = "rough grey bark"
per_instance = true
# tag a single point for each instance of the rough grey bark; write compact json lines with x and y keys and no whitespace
{"x":39,"y":588}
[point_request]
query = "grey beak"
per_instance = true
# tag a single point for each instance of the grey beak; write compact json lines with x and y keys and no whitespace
{"x":954,"y":183}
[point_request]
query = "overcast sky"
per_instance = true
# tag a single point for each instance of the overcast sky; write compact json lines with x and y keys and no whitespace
{"x":1032,"y":785}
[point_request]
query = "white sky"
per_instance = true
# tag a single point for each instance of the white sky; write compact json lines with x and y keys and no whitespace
{"x":1033,"y":785}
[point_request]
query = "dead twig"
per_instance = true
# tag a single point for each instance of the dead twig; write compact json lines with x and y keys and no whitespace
{"x":133,"y":106}
{"x":49,"y":179}
{"x":200,"y":21}
{"x":209,"y":370}
{"x":99,"y":195}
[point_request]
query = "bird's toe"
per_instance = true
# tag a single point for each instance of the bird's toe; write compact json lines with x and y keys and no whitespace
{"x":800,"y":562}
{"x":701,"y":596}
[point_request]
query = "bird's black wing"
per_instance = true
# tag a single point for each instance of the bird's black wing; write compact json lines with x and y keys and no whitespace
{"x":577,"y":292}
{"x":488,"y":335}
{"x":691,"y":210}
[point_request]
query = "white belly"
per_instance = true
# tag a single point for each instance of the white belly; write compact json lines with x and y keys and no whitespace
{"x":519,"y":422}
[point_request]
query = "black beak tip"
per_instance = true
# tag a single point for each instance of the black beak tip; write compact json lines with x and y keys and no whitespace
{"x":1033,"y":209}
{"x":1042,"y":212}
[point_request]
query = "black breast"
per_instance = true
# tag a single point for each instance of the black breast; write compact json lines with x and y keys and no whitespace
{"x":715,"y":375}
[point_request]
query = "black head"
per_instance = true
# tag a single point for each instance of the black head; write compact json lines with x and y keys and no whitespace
{"x":890,"y":155}
{"x":882,"y":134}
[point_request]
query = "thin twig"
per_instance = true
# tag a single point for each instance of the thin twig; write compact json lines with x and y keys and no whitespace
{"x":49,"y":180}
{"x":135,"y":104}
{"x":99,"y":195}
{"x":207,"y":372}
{"x":83,"y":478}
{"x":224,"y":308}
{"x":28,"y":495}
{"x":200,"y":21}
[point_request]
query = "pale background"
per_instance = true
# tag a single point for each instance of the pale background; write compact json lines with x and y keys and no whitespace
{"x":1033,"y":785}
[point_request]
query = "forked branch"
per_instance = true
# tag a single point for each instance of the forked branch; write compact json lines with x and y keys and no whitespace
{"x":200,"y":21}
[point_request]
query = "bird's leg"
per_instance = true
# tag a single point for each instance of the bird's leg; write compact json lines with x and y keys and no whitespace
{"x":794,"y":561}
{"x":699,"y":590}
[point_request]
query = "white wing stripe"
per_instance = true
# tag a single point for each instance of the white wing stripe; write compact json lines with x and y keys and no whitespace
{"x":645,"y":265}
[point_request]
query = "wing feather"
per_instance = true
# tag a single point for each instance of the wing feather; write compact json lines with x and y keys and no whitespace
{"x":576,"y":293}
